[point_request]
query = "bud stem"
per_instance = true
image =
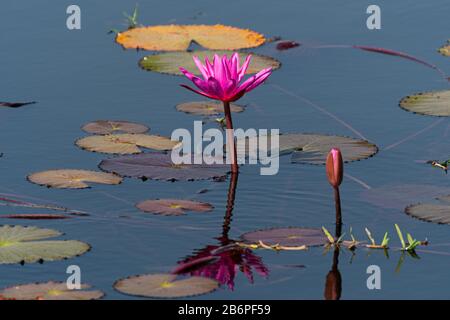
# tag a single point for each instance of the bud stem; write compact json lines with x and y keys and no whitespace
{"x":230,"y":138}
{"x":337,"y":202}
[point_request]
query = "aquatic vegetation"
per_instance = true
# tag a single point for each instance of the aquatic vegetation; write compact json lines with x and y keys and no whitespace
{"x":159,"y":166}
{"x":434,"y":103}
{"x":49,"y":291}
{"x":411,"y":244}
{"x":165,"y":286}
{"x":430,"y":212}
{"x":10,"y":201}
{"x":384,"y":243}
{"x":335,"y":173}
{"x":132,"y":20}
{"x":126,"y":143}
{"x":114,"y":127}
{"x":332,"y":240}
{"x":15,"y":104}
{"x":179,"y":37}
{"x":206,"y":108}
{"x":20,"y":244}
{"x":313,"y":148}
{"x":173,"y":207}
{"x":286,"y":45}
{"x":72,"y":179}
{"x":222,"y":81}
{"x":35,"y":216}
{"x":445,"y":49}
{"x":169,"y":62}
{"x":285,"y":238}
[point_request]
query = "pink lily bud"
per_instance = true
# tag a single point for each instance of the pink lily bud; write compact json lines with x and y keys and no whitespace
{"x":335,"y":167}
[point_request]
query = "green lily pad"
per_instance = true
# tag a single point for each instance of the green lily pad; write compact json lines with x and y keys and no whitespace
{"x":165,"y":286}
{"x":19,"y":244}
{"x":49,"y":291}
{"x":114,"y":126}
{"x":170,"y":62}
{"x":434,"y":103}
{"x":286,"y":237}
{"x":206,"y":108}
{"x":311,"y":148}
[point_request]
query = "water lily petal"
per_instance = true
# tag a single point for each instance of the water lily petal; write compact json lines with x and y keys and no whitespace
{"x":199,"y":92}
{"x":215,"y":88}
{"x":260,"y":77}
{"x":244,"y":67}
{"x":201,"y":67}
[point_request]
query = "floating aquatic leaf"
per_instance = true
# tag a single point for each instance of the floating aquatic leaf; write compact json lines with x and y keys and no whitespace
{"x":445,"y":49}
{"x":165,"y":286}
{"x":72,"y":179}
{"x":435,"y":103}
{"x":436,"y":213}
{"x":159,"y":166}
{"x":179,"y":37}
{"x":398,"y":196}
{"x":8,"y":201}
{"x":285,"y":45}
{"x":206,"y":108}
{"x":112,"y":126}
{"x":49,"y":291}
{"x":35,"y":216}
{"x":170,"y":62}
{"x":15,"y":104}
{"x":311,"y":148}
{"x":173,"y":207}
{"x":126,"y":143}
{"x":286,"y":237}
{"x":18,"y":244}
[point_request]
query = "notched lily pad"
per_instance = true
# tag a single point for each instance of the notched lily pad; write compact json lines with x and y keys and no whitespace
{"x":72,"y":179}
{"x":112,"y":126}
{"x":49,"y":291}
{"x":286,"y":237}
{"x":431,"y":212}
{"x":126,"y":143}
{"x":170,"y":62}
{"x":165,"y":286}
{"x":159,"y":166}
{"x":310,"y":148}
{"x":179,"y":37}
{"x":434,"y":103}
{"x":206,"y":108}
{"x":173,"y":207}
{"x":19,"y":244}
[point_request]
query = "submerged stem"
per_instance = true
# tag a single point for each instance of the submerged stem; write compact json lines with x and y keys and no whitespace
{"x":230,"y":138}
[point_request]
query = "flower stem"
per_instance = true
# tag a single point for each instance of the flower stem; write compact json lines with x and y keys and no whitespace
{"x":337,"y":202}
{"x":230,"y":138}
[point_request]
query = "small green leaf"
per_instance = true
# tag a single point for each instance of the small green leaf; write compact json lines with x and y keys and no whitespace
{"x":328,"y":234}
{"x":369,"y":235}
{"x":385,"y":241}
{"x":400,"y":236}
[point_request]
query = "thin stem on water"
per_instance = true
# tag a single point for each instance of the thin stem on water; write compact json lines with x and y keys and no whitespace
{"x":230,"y":138}
{"x":337,"y":202}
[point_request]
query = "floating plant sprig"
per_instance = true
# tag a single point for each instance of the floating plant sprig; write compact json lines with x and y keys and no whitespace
{"x":384,"y":243}
{"x":412,"y":243}
{"x":332,"y":240}
{"x":132,"y":20}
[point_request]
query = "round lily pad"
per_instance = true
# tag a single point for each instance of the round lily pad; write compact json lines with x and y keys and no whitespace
{"x":310,"y":148}
{"x":206,"y":108}
{"x":126,"y":143}
{"x":19,"y":244}
{"x":434,"y":103}
{"x":49,"y":291}
{"x":394,"y":196}
{"x":445,"y":49}
{"x":159,"y":166}
{"x":112,"y":126}
{"x":173,"y":207}
{"x":430,"y":212}
{"x":165,"y":286}
{"x":286,"y":237}
{"x":170,"y":62}
{"x":72,"y":179}
{"x":179,"y":37}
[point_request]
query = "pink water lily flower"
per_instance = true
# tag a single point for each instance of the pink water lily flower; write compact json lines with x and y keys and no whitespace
{"x":222,"y":79}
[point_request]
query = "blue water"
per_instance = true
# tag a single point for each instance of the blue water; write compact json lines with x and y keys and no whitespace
{"x":81,"y":76}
